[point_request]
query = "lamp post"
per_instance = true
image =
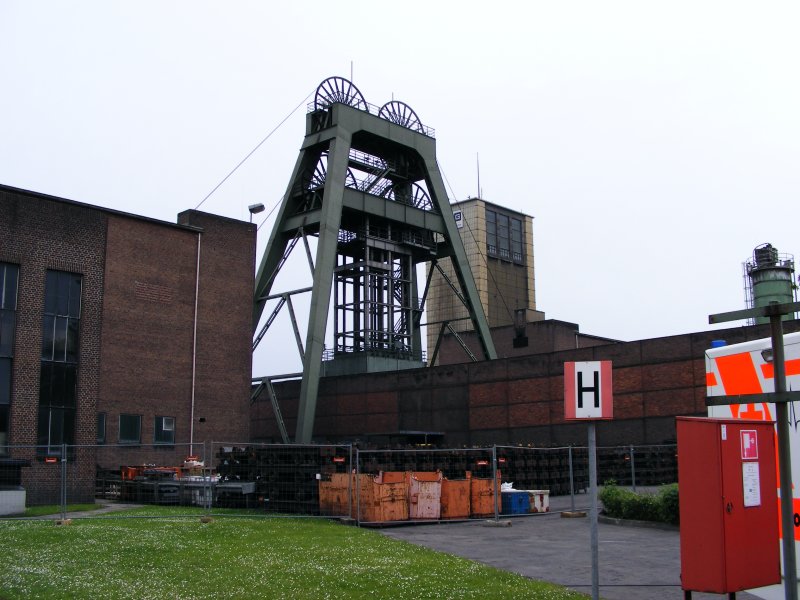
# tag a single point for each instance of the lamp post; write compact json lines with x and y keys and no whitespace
{"x":255,"y":209}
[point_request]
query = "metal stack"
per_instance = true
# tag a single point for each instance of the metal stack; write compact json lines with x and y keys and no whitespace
{"x":286,"y":477}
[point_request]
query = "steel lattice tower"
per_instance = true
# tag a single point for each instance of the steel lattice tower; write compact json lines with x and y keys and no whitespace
{"x":367,"y":184}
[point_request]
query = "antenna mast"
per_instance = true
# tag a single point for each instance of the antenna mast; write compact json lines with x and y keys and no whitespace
{"x":478,"y":166}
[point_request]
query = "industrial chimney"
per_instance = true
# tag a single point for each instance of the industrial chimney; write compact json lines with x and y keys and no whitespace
{"x":769,"y":277}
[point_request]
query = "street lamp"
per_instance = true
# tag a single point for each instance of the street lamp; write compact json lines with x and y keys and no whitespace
{"x":255,"y":209}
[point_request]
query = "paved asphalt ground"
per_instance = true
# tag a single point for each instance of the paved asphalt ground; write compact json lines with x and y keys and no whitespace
{"x":635,"y":562}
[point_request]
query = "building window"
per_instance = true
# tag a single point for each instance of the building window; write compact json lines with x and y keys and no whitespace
{"x":516,"y":240}
{"x":5,"y":381}
{"x":504,"y":237}
{"x":9,"y":275}
{"x":491,"y":232}
{"x":59,"y":361}
{"x":164,"y":430}
{"x":4,"y":428}
{"x":101,"y":428}
{"x":130,"y":429}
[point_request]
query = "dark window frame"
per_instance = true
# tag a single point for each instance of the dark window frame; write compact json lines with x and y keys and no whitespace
{"x":163,"y":436}
{"x":5,"y":428}
{"x":130,"y":440}
{"x":9,"y":294}
{"x":58,"y":379}
{"x":102,"y":420}
{"x":504,"y":237}
{"x":517,"y":245}
{"x":9,"y":278}
{"x":5,"y":381}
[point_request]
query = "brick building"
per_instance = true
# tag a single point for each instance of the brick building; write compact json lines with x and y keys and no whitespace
{"x":119,"y":329}
{"x":515,"y":400}
{"x":522,"y":339}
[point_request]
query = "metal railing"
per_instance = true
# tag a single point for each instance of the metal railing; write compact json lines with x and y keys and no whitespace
{"x":374,"y":109}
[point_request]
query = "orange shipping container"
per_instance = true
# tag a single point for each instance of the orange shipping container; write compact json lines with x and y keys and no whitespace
{"x":382,"y":498}
{"x":334,"y":495}
{"x":455,"y":498}
{"x":483,"y":499}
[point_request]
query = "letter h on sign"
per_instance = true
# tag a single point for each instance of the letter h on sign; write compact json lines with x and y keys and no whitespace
{"x":587,"y":390}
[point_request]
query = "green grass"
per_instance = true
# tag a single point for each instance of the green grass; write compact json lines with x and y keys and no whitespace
{"x":55,"y":509}
{"x":237,"y":558}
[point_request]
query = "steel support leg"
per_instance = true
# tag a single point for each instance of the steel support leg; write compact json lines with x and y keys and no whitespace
{"x":321,"y":290}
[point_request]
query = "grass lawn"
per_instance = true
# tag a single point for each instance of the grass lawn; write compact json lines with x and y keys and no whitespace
{"x":237,"y":558}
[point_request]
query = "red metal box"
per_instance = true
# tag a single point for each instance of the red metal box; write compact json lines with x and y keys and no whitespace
{"x":728,"y":504}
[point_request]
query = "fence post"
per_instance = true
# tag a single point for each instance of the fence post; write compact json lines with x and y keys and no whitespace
{"x":358,"y":487}
{"x":494,"y":480}
{"x":633,"y":469}
{"x":571,"y":481}
{"x":207,"y":472}
{"x":350,"y":471}
{"x":63,"y":482}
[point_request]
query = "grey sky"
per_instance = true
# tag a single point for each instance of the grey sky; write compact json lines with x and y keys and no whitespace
{"x":655,"y":144}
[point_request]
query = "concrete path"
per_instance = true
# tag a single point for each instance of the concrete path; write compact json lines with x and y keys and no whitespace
{"x":635,"y":562}
{"x":104,"y":507}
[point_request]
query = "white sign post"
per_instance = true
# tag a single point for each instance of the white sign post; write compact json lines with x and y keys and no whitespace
{"x":588,"y":397}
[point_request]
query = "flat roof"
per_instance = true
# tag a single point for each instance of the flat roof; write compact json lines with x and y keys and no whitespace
{"x":500,"y":206}
{"x":119,"y":213}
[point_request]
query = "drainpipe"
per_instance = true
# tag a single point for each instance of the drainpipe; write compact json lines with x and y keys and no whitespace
{"x":194,"y":345}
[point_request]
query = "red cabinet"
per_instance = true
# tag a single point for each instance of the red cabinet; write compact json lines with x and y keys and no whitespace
{"x":728,"y":504}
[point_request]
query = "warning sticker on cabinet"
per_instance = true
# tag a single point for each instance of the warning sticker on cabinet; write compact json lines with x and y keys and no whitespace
{"x":749,"y":444}
{"x":752,"y":484}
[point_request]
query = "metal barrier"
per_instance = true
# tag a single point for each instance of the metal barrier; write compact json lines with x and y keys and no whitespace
{"x":390,"y":484}
{"x":281,"y":478}
{"x":638,"y":465}
{"x":341,"y":481}
{"x":64,"y":475}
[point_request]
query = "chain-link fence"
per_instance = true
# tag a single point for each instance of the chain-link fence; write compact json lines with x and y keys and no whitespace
{"x":343,"y":481}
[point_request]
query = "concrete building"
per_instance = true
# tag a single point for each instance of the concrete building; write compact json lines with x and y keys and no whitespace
{"x":125,"y":334}
{"x":499,"y":247}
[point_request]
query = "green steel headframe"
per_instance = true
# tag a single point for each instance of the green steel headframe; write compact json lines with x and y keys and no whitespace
{"x":367,"y":185}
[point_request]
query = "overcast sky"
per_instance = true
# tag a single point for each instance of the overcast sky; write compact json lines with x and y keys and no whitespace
{"x":655,"y":144}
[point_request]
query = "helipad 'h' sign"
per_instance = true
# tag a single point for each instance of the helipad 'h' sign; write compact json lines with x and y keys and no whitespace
{"x":587,"y":390}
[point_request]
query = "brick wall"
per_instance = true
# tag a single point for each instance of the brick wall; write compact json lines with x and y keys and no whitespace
{"x":151,"y":365}
{"x":40,"y":233}
{"x":225,"y":329}
{"x":517,"y":400}
{"x":147,"y":334}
